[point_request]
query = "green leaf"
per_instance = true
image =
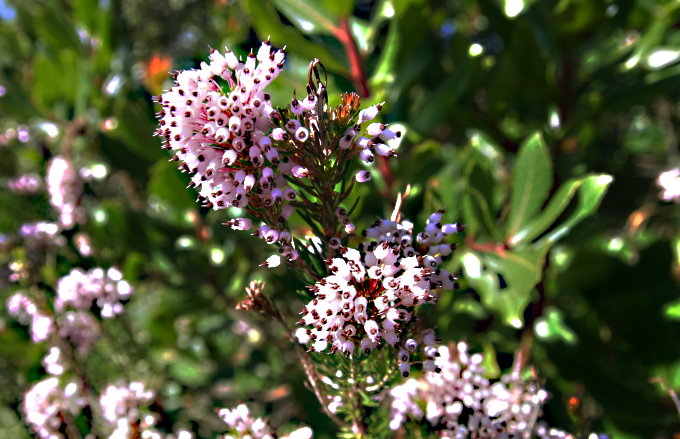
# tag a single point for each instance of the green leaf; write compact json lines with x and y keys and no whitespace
{"x":135,"y":129}
{"x":53,"y":26}
{"x":521,"y":271}
{"x":590,"y":194}
{"x":531,"y":181}
{"x":310,"y":17}
{"x":384,"y":73}
{"x":169,"y":185}
{"x":483,"y":281}
{"x":266,"y":22}
{"x":672,"y":310}
{"x":491,"y":368}
{"x":476,"y":213}
{"x":551,"y":326}
{"x":558,"y":203}
{"x":342,"y":8}
{"x":190,"y":372}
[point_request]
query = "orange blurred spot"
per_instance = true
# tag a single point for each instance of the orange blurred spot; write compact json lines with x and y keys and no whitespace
{"x":278,"y":393}
{"x":636,"y":219}
{"x":573,"y":403}
{"x":158,"y":64}
{"x":156,"y":70}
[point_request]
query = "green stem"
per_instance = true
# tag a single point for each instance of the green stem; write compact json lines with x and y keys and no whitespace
{"x":358,"y":424}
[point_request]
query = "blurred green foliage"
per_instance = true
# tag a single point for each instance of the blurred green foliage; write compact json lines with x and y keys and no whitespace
{"x":540,"y":125}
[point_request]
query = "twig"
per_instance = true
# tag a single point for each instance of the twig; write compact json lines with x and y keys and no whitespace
{"x":73,"y":129}
{"x":344,"y":34}
{"x":670,"y":391}
{"x":491,"y":247}
{"x":358,"y":425}
{"x":309,"y":370}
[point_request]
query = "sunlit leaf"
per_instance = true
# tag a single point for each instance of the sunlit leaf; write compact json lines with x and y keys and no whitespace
{"x":591,"y":193}
{"x":267,"y":23}
{"x":309,"y":16}
{"x":531,"y":182}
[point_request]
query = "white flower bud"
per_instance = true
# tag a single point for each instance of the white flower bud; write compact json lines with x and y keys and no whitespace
{"x":273,"y":261}
{"x":302,"y":134}
{"x":369,"y":113}
{"x":362,"y":176}
{"x":278,"y":134}
{"x":300,"y":171}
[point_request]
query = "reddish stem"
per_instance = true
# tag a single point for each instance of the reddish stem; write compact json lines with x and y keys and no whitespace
{"x":490,"y":247}
{"x":344,"y":34}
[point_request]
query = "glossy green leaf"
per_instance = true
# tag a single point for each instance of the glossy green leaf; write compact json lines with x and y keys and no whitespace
{"x":590,"y":194}
{"x":310,"y":17}
{"x":531,"y":181}
{"x":54,"y":26}
{"x":384,"y":73}
{"x":189,"y":371}
{"x":134,"y":126}
{"x":673,"y":310}
{"x":338,"y":7}
{"x":476,"y":213}
{"x":267,"y":23}
{"x":551,"y":326}
{"x":558,"y":203}
{"x":483,"y":281}
{"x":169,"y":185}
{"x":521,"y":271}
{"x":491,"y":368}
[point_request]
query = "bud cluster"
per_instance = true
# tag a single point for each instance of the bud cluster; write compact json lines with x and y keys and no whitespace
{"x":42,"y":234}
{"x":345,"y":136}
{"x":372,"y":292}
{"x":27,"y":312}
{"x":65,"y":188}
{"x":81,"y":289}
{"x":460,"y":402}
{"x":120,"y":406}
{"x":243,"y":425}
{"x":46,"y":405}
{"x":27,"y":184}
{"x":216,"y":119}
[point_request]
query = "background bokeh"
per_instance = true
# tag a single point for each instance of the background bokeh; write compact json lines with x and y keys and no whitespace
{"x":597,"y":305}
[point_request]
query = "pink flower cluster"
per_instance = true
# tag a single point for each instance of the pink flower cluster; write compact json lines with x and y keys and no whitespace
{"x":65,"y":188}
{"x":669,"y":182}
{"x":303,"y":119}
{"x":81,"y":289}
{"x":216,"y":118}
{"x":271,"y":235}
{"x":121,"y":407}
{"x":21,"y":133}
{"x":429,"y":351}
{"x":27,"y":312}
{"x":27,"y":184}
{"x":243,"y":425}
{"x":42,"y":233}
{"x":47,"y":403}
{"x":460,"y":402}
{"x":371,"y":292}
